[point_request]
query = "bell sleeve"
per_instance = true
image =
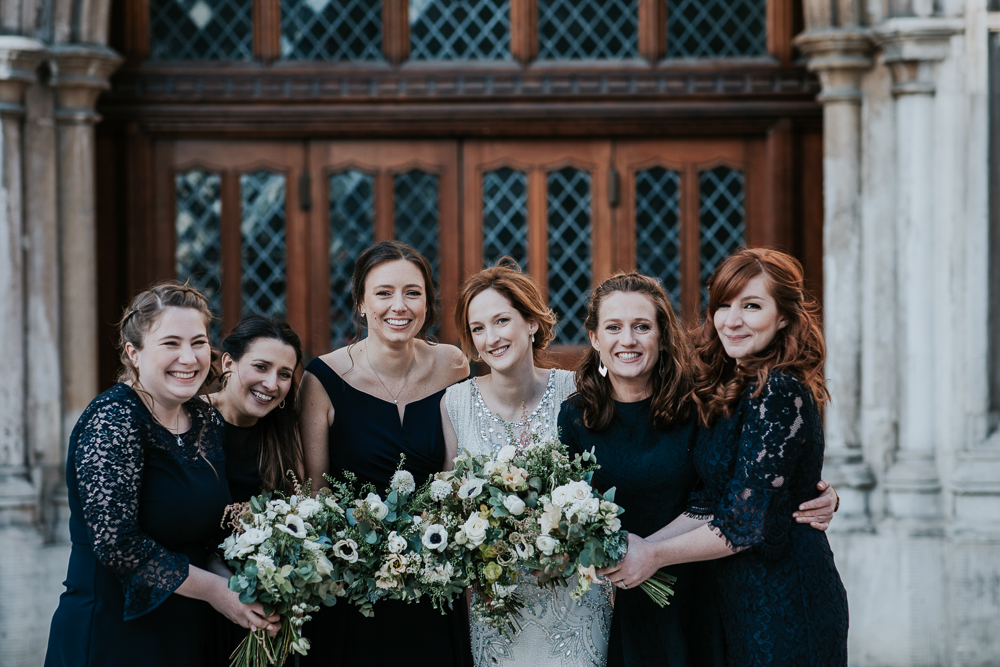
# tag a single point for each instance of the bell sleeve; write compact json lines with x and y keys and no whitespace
{"x":109,"y":461}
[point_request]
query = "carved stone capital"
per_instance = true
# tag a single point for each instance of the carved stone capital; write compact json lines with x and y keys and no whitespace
{"x":79,"y":74}
{"x":19,"y":61}
{"x":839,"y":56}
{"x":912,"y":47}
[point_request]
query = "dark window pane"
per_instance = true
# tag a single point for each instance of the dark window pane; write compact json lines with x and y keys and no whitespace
{"x":352,"y":229}
{"x":262,"y":230}
{"x":657,"y":228}
{"x":331,"y":29}
{"x":575,"y":29}
{"x":505,"y":216}
{"x":722,"y":220}
{"x":716,"y":28}
{"x":460,"y":29}
{"x":201,"y":29}
{"x":569,"y":251}
{"x":199,"y":238}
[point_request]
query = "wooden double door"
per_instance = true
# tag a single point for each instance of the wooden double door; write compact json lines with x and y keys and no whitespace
{"x":274,"y":227}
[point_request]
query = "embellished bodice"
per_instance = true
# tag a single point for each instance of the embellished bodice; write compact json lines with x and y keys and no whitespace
{"x":482,"y":432}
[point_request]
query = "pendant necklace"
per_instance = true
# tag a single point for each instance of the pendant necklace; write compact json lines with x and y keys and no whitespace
{"x":406,"y":378}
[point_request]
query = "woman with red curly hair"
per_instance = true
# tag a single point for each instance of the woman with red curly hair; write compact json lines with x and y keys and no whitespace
{"x":758,"y":385}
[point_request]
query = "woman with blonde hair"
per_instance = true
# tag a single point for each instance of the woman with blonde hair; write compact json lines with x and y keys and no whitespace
{"x":147,"y":488}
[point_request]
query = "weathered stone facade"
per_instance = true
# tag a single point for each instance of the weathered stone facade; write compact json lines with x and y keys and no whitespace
{"x":912,"y":441}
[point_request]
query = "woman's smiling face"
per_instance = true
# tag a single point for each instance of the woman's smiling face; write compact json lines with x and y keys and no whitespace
{"x":395,"y":301}
{"x":748,"y":323}
{"x":260,"y":380}
{"x":627,"y":337}
{"x":175,"y":356}
{"x":501,"y":334}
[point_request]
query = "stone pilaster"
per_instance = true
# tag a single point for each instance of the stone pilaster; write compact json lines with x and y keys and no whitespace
{"x":840,"y":56}
{"x":79,"y":74}
{"x":19,"y":59}
{"x":912,"y":48}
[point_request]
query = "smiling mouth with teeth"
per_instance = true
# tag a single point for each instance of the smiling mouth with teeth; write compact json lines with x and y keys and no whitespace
{"x":182,"y":376}
{"x":628,"y":355}
{"x":263,"y":398}
{"x":397,"y":323}
{"x":500,"y":350}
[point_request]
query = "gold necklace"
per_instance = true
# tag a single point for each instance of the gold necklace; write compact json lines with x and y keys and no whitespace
{"x":406,"y":377}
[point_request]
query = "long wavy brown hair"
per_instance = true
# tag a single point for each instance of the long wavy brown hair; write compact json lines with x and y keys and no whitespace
{"x":507,"y":279}
{"x":671,"y":388}
{"x":797,"y":349}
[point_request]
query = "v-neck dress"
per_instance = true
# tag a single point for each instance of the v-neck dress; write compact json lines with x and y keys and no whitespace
{"x":367,"y":438}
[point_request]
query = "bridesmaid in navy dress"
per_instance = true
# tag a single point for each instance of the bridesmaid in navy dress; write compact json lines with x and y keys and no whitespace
{"x":261,"y":443}
{"x":758,"y":385}
{"x":147,"y":487}
{"x":361,"y":407}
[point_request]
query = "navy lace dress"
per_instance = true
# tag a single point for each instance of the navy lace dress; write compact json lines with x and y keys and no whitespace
{"x":654,"y":477}
{"x":367,"y":439}
{"x":781,"y":598}
{"x":143,"y":507}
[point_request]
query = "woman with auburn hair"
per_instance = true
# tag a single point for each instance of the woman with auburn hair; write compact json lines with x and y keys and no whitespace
{"x":147,"y":488}
{"x":758,"y":385}
{"x":502,"y":319}
{"x":633,"y":407}
{"x":363,"y":405}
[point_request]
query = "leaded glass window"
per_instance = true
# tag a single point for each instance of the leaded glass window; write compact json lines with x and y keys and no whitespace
{"x":415,"y":195}
{"x":262,"y":228}
{"x":657,"y":228}
{"x":460,"y":29}
{"x":716,"y":28}
{"x":201,"y":29}
{"x":576,"y":29}
{"x":198,"y":258}
{"x":569,"y":251}
{"x":331,"y":29}
{"x":505,"y":216}
{"x":352,"y":229}
{"x":722,"y":220}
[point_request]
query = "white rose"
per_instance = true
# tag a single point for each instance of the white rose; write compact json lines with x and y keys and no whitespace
{"x":279,"y":505}
{"x":615,"y":525}
{"x":256,"y":535}
{"x":471,"y":488}
{"x":551,"y":516}
{"x":435,"y":537}
{"x":579,"y":491}
{"x":307,"y":507}
{"x":475,"y":529}
{"x":378,"y":509}
{"x":561,"y":495}
{"x":264,"y":563}
{"x":312,"y":546}
{"x":507,"y":453}
{"x":402,"y":482}
{"x":332,"y":504}
{"x":546,"y":544}
{"x":440,"y":489}
{"x":460,"y":537}
{"x":586,"y":508}
{"x":514,"y":505}
{"x":324,"y":567}
{"x":395,"y":543}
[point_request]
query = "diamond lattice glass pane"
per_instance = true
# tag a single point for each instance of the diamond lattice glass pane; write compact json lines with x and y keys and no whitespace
{"x":722,"y":220}
{"x":331,"y":29}
{"x":199,"y":238}
{"x":352,"y":229}
{"x":415,"y":195}
{"x":262,"y":228}
{"x":716,"y":28}
{"x":200,"y":30}
{"x":657,"y":228}
{"x":505,"y":216}
{"x":569,"y":251}
{"x":460,"y":29}
{"x":574,"y":29}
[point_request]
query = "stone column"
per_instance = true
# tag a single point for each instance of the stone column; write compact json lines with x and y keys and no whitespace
{"x":840,"y":56}
{"x":19,"y":58}
{"x":79,"y":74}
{"x":912,"y":49}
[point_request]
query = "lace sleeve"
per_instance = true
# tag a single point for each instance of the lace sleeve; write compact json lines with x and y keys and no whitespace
{"x":109,"y":468}
{"x":756,"y":507}
{"x":702,"y":503}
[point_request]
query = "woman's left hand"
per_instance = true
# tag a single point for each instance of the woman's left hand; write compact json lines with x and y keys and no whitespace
{"x":818,"y":512}
{"x":638,"y":565}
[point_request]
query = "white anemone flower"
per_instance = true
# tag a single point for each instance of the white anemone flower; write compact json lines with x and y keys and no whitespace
{"x":435,"y":537}
{"x":346,"y":550}
{"x":294,"y":526}
{"x":378,"y":508}
{"x":472,"y":488}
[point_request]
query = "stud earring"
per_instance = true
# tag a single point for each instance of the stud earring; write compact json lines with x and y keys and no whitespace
{"x":602,"y":369}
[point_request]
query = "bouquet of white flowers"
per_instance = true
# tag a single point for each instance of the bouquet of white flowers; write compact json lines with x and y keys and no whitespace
{"x":292,"y":554}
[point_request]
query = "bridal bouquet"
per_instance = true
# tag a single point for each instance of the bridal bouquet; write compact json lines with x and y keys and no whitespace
{"x":292,"y":554}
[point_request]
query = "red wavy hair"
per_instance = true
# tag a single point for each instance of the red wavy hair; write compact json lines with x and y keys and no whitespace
{"x":797,"y":349}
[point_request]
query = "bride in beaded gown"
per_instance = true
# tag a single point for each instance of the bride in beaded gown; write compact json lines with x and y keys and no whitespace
{"x":502,"y":317}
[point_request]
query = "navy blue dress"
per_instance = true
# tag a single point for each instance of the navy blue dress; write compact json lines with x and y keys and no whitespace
{"x":367,"y":438}
{"x":781,"y":598}
{"x":654,"y":477}
{"x":143,"y":507}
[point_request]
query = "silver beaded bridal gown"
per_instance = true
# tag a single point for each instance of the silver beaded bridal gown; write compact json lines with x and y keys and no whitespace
{"x":561,"y":632}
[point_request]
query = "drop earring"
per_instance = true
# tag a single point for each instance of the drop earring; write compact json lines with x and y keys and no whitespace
{"x":532,"y":336}
{"x":282,"y":404}
{"x":663,"y":365}
{"x":602,"y":369}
